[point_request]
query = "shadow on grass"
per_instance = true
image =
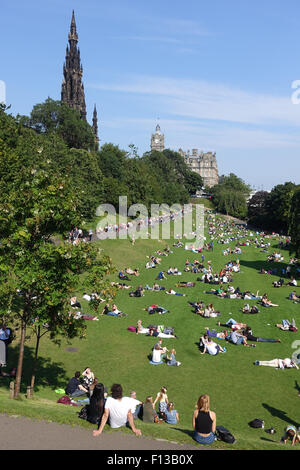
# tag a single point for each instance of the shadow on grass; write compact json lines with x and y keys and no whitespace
{"x":267,"y":440}
{"x":276,"y":268}
{"x":185,"y":431}
{"x":280,"y":414}
{"x":48,"y":374}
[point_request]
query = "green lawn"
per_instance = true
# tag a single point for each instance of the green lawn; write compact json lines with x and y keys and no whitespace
{"x":239,"y":390}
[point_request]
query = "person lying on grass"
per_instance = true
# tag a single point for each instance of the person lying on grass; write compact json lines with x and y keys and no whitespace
{"x":173,"y":292}
{"x":250,"y":337}
{"x":185,"y":284}
{"x":156,"y":309}
{"x":285,"y":325}
{"x":133,"y":272}
{"x":286,"y":363}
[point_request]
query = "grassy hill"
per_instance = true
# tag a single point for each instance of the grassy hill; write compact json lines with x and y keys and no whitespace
{"x":239,"y":390}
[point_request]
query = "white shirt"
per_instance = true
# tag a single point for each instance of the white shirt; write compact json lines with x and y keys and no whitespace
{"x":118,"y":411}
{"x":133,"y":403}
{"x":211,"y":348}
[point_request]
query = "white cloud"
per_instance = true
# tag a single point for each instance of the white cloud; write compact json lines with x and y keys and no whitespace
{"x":212,"y":101}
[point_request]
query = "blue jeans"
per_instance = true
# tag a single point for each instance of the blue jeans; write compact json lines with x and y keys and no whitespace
{"x":204,"y":440}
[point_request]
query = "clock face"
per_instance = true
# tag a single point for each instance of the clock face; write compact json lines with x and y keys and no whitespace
{"x":156,"y":141}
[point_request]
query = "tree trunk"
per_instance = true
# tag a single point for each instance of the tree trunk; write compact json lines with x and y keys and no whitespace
{"x":20,"y":360}
{"x":38,"y":337}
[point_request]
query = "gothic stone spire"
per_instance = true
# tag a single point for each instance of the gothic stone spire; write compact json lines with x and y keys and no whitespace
{"x":95,"y":124}
{"x":72,"y":90}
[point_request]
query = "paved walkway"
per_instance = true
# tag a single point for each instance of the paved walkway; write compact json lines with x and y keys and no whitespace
{"x":19,"y":433}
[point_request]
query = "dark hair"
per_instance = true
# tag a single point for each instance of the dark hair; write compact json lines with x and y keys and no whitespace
{"x":77,"y":374}
{"x":116,"y":391}
{"x":97,"y":401}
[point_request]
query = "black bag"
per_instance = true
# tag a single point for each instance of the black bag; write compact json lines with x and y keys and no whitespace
{"x":257,"y":423}
{"x":224,"y":435}
{"x":83,"y":413}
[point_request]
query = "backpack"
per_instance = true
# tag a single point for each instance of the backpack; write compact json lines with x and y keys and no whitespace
{"x":83,"y":413}
{"x":257,"y":423}
{"x":65,"y":400}
{"x":224,"y":435}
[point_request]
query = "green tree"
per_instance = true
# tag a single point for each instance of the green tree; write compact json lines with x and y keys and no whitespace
{"x":56,"y":117}
{"x":257,"y":210}
{"x":230,"y":196}
{"x":278,"y":206}
{"x":294,"y":222}
{"x":38,"y":276}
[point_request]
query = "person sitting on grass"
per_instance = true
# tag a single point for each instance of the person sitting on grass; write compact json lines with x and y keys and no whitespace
{"x":210,"y":346}
{"x":293,"y":296}
{"x":204,"y":421}
{"x":252,"y":310}
{"x":113,"y":311}
{"x":149,"y":413}
{"x":160,"y":276}
{"x":123,"y":276}
{"x":158,"y":352}
{"x":291,"y":434}
{"x":171,"y":358}
{"x":238,"y":338}
{"x":163,"y":400}
{"x":118,"y":411}
{"x":171,"y":415}
{"x":75,"y":388}
{"x":95,"y":408}
{"x":138,"y":293}
{"x":266,"y":302}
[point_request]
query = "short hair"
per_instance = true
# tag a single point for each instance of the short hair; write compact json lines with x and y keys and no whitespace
{"x":77,"y":374}
{"x":132,"y":393}
{"x":116,"y":391}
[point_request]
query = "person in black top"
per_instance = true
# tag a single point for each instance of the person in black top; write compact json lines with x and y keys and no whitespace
{"x":74,"y":387}
{"x":204,"y":421}
{"x":95,"y":409}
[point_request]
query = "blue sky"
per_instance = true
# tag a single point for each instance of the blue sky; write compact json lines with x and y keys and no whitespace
{"x":217,"y":74}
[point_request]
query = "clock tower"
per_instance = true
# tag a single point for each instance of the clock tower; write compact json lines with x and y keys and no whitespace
{"x":157,"y":140}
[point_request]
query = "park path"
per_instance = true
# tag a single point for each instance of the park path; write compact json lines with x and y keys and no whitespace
{"x":20,"y":433}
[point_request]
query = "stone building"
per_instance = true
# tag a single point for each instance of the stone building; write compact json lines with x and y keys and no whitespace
{"x":205,"y":164}
{"x":72,"y":89}
{"x":158,"y":140}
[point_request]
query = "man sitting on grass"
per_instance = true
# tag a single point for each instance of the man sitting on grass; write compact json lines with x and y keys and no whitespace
{"x":118,"y":411}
